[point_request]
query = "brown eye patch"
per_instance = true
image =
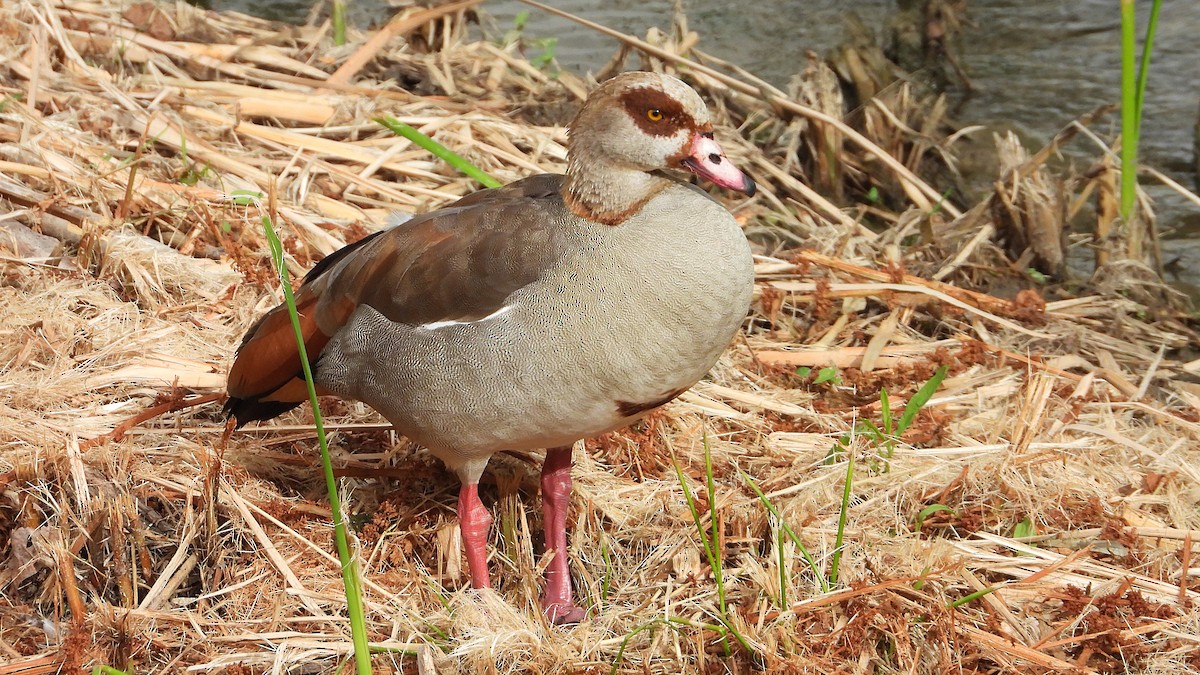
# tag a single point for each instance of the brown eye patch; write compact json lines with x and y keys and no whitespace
{"x":639,"y":102}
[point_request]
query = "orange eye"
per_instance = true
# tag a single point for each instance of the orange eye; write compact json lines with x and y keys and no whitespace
{"x":654,"y":115}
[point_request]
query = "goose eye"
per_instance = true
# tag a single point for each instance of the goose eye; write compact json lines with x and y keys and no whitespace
{"x":654,"y":115}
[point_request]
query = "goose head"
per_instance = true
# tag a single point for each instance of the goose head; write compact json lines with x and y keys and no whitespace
{"x":631,"y":127}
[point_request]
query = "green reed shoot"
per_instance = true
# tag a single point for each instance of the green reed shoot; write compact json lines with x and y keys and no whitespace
{"x":440,"y":151}
{"x":843,"y":512}
{"x":337,"y":16}
{"x":787,"y":529}
{"x":1133,"y":92}
{"x":711,"y":540}
{"x":353,"y":587}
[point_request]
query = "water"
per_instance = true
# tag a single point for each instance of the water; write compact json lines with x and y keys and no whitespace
{"x":1035,"y":66}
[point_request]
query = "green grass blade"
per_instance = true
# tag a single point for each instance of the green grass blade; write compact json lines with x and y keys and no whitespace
{"x":714,"y":531}
{"x":974,"y":596}
{"x":709,"y":545}
{"x":1144,"y":66}
{"x":1129,"y":114}
{"x":625,"y":643}
{"x":920,"y":398}
{"x":691,"y":503}
{"x":929,"y":511}
{"x":1025,"y":528}
{"x":787,"y":529}
{"x":836,"y":560}
{"x":442,"y":152}
{"x":715,"y":539}
{"x":353,"y":588}
{"x":671,"y":622}
{"x":680,"y":621}
{"x":885,"y":412}
{"x":107,"y":670}
{"x":338,"y":19}
{"x":779,"y":535}
{"x":384,"y":649}
{"x":710,"y":540}
{"x":606,"y":581}
{"x":866,"y":426}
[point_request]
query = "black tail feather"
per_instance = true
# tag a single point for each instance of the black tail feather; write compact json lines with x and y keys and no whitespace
{"x":246,"y":410}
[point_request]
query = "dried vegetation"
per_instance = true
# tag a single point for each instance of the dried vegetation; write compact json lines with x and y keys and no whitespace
{"x":1056,"y":467}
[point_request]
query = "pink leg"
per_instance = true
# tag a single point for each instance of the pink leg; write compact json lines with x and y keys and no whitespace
{"x":556,"y":499}
{"x":474,"y":521}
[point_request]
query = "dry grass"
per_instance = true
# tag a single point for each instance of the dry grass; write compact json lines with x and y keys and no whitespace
{"x":164,"y":548}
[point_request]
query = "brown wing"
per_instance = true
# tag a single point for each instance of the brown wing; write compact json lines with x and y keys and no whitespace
{"x":458,"y":263}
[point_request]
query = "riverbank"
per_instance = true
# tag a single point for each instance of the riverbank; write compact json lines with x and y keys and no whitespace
{"x":1022,"y":65}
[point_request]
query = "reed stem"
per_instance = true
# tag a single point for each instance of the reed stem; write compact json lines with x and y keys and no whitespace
{"x":353,"y":587}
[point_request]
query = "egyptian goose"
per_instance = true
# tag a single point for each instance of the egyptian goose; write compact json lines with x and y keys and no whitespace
{"x":556,"y":308}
